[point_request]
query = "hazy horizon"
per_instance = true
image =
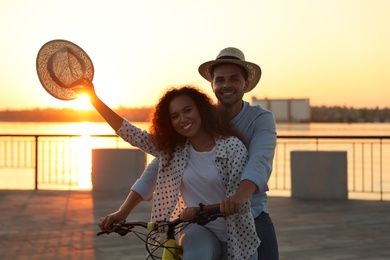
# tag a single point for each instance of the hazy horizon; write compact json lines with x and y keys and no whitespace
{"x":336,"y":53}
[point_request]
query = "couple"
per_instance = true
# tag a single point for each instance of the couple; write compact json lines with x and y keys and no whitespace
{"x":201,"y":159}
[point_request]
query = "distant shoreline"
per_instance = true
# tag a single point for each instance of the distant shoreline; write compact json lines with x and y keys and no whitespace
{"x":70,"y":115}
{"x":318,"y":115}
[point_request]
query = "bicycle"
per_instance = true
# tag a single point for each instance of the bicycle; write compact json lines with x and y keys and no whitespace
{"x":170,"y":249}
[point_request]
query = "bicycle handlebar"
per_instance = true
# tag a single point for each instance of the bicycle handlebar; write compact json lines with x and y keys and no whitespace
{"x":170,"y":228}
{"x":123,"y":227}
{"x":203,"y":217}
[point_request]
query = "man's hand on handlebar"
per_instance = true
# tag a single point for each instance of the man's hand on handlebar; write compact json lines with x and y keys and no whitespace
{"x":231,"y":205}
{"x":227,"y":207}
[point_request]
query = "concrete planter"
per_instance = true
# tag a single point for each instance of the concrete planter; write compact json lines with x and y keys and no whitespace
{"x":319,"y":175}
{"x":116,"y":169}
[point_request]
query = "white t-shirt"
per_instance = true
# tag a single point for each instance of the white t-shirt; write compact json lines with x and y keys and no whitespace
{"x":202,"y":184}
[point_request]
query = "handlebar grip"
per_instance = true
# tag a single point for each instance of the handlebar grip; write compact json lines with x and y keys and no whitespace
{"x":213,"y":210}
{"x":209,"y":211}
{"x":204,"y":216}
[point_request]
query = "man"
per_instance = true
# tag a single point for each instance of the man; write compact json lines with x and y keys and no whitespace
{"x":231,"y":77}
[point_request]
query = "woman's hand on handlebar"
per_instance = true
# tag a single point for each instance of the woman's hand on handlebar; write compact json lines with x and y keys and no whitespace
{"x":132,"y":200}
{"x":189,"y":213}
{"x":106,"y":222}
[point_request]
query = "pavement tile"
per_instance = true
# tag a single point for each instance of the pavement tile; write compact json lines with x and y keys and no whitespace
{"x":63,"y":225}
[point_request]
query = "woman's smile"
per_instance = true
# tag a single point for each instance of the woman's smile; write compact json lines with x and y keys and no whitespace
{"x":187,"y":126}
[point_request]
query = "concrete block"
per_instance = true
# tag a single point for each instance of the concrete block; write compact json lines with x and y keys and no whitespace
{"x":116,"y":169}
{"x":319,"y":175}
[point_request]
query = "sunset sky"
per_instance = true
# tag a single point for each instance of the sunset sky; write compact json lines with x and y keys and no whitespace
{"x":333,"y":52}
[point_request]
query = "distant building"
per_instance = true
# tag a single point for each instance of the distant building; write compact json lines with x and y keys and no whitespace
{"x":286,"y":110}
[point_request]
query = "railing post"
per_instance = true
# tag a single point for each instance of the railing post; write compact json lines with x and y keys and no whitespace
{"x":380,"y":170}
{"x":36,"y":162}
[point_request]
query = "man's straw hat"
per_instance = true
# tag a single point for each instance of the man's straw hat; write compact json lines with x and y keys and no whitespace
{"x":236,"y":56}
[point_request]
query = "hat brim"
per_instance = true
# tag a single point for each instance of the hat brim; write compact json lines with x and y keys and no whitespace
{"x":254,"y":71}
{"x":51,"y":86}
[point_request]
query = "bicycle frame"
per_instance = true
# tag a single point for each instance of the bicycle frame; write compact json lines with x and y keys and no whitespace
{"x":171,"y":251}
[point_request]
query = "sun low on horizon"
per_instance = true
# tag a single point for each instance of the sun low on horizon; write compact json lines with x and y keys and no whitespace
{"x":82,"y":103}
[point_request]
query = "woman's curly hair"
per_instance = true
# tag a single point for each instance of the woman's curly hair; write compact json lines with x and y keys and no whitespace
{"x":165,"y":135}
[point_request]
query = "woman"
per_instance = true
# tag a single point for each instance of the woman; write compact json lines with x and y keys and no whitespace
{"x":200,"y":162}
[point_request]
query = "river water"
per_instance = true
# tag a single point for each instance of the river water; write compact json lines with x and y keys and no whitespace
{"x":19,"y":179}
{"x":378,"y":129}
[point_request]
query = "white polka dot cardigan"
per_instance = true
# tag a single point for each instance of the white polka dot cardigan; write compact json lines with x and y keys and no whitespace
{"x":231,"y":157}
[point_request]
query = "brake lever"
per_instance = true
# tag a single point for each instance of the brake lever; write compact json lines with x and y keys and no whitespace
{"x":103,"y":232}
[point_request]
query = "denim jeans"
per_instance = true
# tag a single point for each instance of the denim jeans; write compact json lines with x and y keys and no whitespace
{"x":268,"y":249}
{"x":199,"y":242}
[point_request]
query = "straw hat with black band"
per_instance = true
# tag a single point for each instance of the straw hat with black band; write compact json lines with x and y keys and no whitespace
{"x":235,"y":56}
{"x":62,"y":66}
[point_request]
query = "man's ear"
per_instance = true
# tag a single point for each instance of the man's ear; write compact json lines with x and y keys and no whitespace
{"x":246,"y":87}
{"x":212,"y":87}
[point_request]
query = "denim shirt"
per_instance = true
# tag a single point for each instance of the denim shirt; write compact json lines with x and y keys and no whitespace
{"x":257,"y":126}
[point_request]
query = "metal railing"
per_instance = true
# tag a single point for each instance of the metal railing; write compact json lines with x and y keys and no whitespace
{"x":64,"y":161}
{"x":368,"y":171}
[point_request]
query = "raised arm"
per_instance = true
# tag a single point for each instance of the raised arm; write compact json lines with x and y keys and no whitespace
{"x":112,"y":118}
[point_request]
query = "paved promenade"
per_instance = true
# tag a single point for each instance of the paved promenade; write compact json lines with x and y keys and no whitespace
{"x":62,"y":225}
